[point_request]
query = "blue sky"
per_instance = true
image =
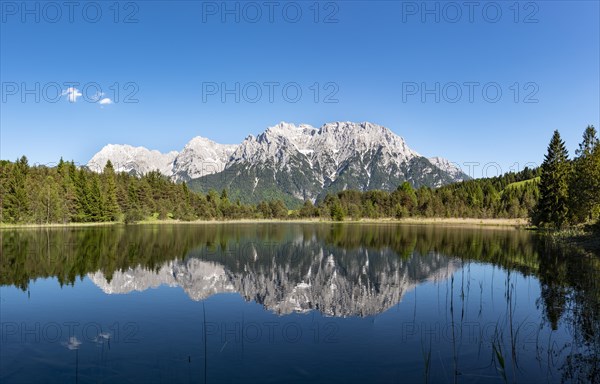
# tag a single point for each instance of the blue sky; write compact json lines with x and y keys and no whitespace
{"x":156,"y":74}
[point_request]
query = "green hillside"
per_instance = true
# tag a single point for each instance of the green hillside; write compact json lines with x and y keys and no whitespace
{"x":523,"y":183}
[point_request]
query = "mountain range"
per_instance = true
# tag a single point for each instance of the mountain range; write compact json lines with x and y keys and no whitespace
{"x":292,"y":162}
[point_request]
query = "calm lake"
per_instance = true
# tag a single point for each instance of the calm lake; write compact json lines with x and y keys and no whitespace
{"x":295,"y":303}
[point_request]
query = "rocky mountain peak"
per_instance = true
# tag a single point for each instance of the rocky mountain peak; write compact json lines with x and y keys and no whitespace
{"x":296,"y":160}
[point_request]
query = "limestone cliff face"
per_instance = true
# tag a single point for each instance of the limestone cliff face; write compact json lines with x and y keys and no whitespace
{"x":299,"y":162}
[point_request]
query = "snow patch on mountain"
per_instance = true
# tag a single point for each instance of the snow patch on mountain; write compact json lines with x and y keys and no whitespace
{"x":201,"y":157}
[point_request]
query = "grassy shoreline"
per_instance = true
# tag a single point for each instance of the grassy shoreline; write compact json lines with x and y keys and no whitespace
{"x":521,"y":223}
{"x":577,"y":237}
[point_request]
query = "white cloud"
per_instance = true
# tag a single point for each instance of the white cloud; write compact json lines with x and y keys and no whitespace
{"x":72,"y":94}
{"x":105,"y":101}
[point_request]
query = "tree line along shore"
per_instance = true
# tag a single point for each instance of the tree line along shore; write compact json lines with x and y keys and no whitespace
{"x":561,"y":193}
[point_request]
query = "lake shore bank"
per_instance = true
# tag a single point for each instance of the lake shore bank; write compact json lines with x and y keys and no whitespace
{"x":585,"y":240}
{"x":521,"y":223}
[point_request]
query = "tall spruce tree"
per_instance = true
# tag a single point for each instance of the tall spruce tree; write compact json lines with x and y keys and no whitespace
{"x":82,"y":193}
{"x":595,"y":185}
{"x":585,"y":184}
{"x":67,"y":173}
{"x":52,"y":201}
{"x":17,"y":200}
{"x":4,"y":178}
{"x":552,"y":209}
{"x":95,"y":199}
{"x":111,"y":209}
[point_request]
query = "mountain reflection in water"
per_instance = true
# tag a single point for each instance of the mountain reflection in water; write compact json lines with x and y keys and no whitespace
{"x":295,"y":277}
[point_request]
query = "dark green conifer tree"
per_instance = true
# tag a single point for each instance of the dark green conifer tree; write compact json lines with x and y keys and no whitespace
{"x":585,"y":184}
{"x":17,"y":201}
{"x":96,"y":199}
{"x":552,"y":209}
{"x":82,"y":197}
{"x":111,"y":211}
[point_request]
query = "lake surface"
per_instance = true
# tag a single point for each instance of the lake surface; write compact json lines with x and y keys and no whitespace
{"x":295,"y":303}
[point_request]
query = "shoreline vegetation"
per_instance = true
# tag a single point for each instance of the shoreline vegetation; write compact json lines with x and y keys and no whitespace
{"x":584,"y":239}
{"x":447,"y":221}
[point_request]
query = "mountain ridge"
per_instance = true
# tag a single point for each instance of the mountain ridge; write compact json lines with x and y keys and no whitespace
{"x":294,"y":162}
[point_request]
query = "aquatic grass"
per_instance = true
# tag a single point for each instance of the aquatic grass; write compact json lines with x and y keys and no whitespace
{"x":205,"y":341}
{"x":427,"y":361}
{"x":480,"y":299}
{"x":454,"y":354}
{"x":497,"y":348}
{"x":497,"y":354}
